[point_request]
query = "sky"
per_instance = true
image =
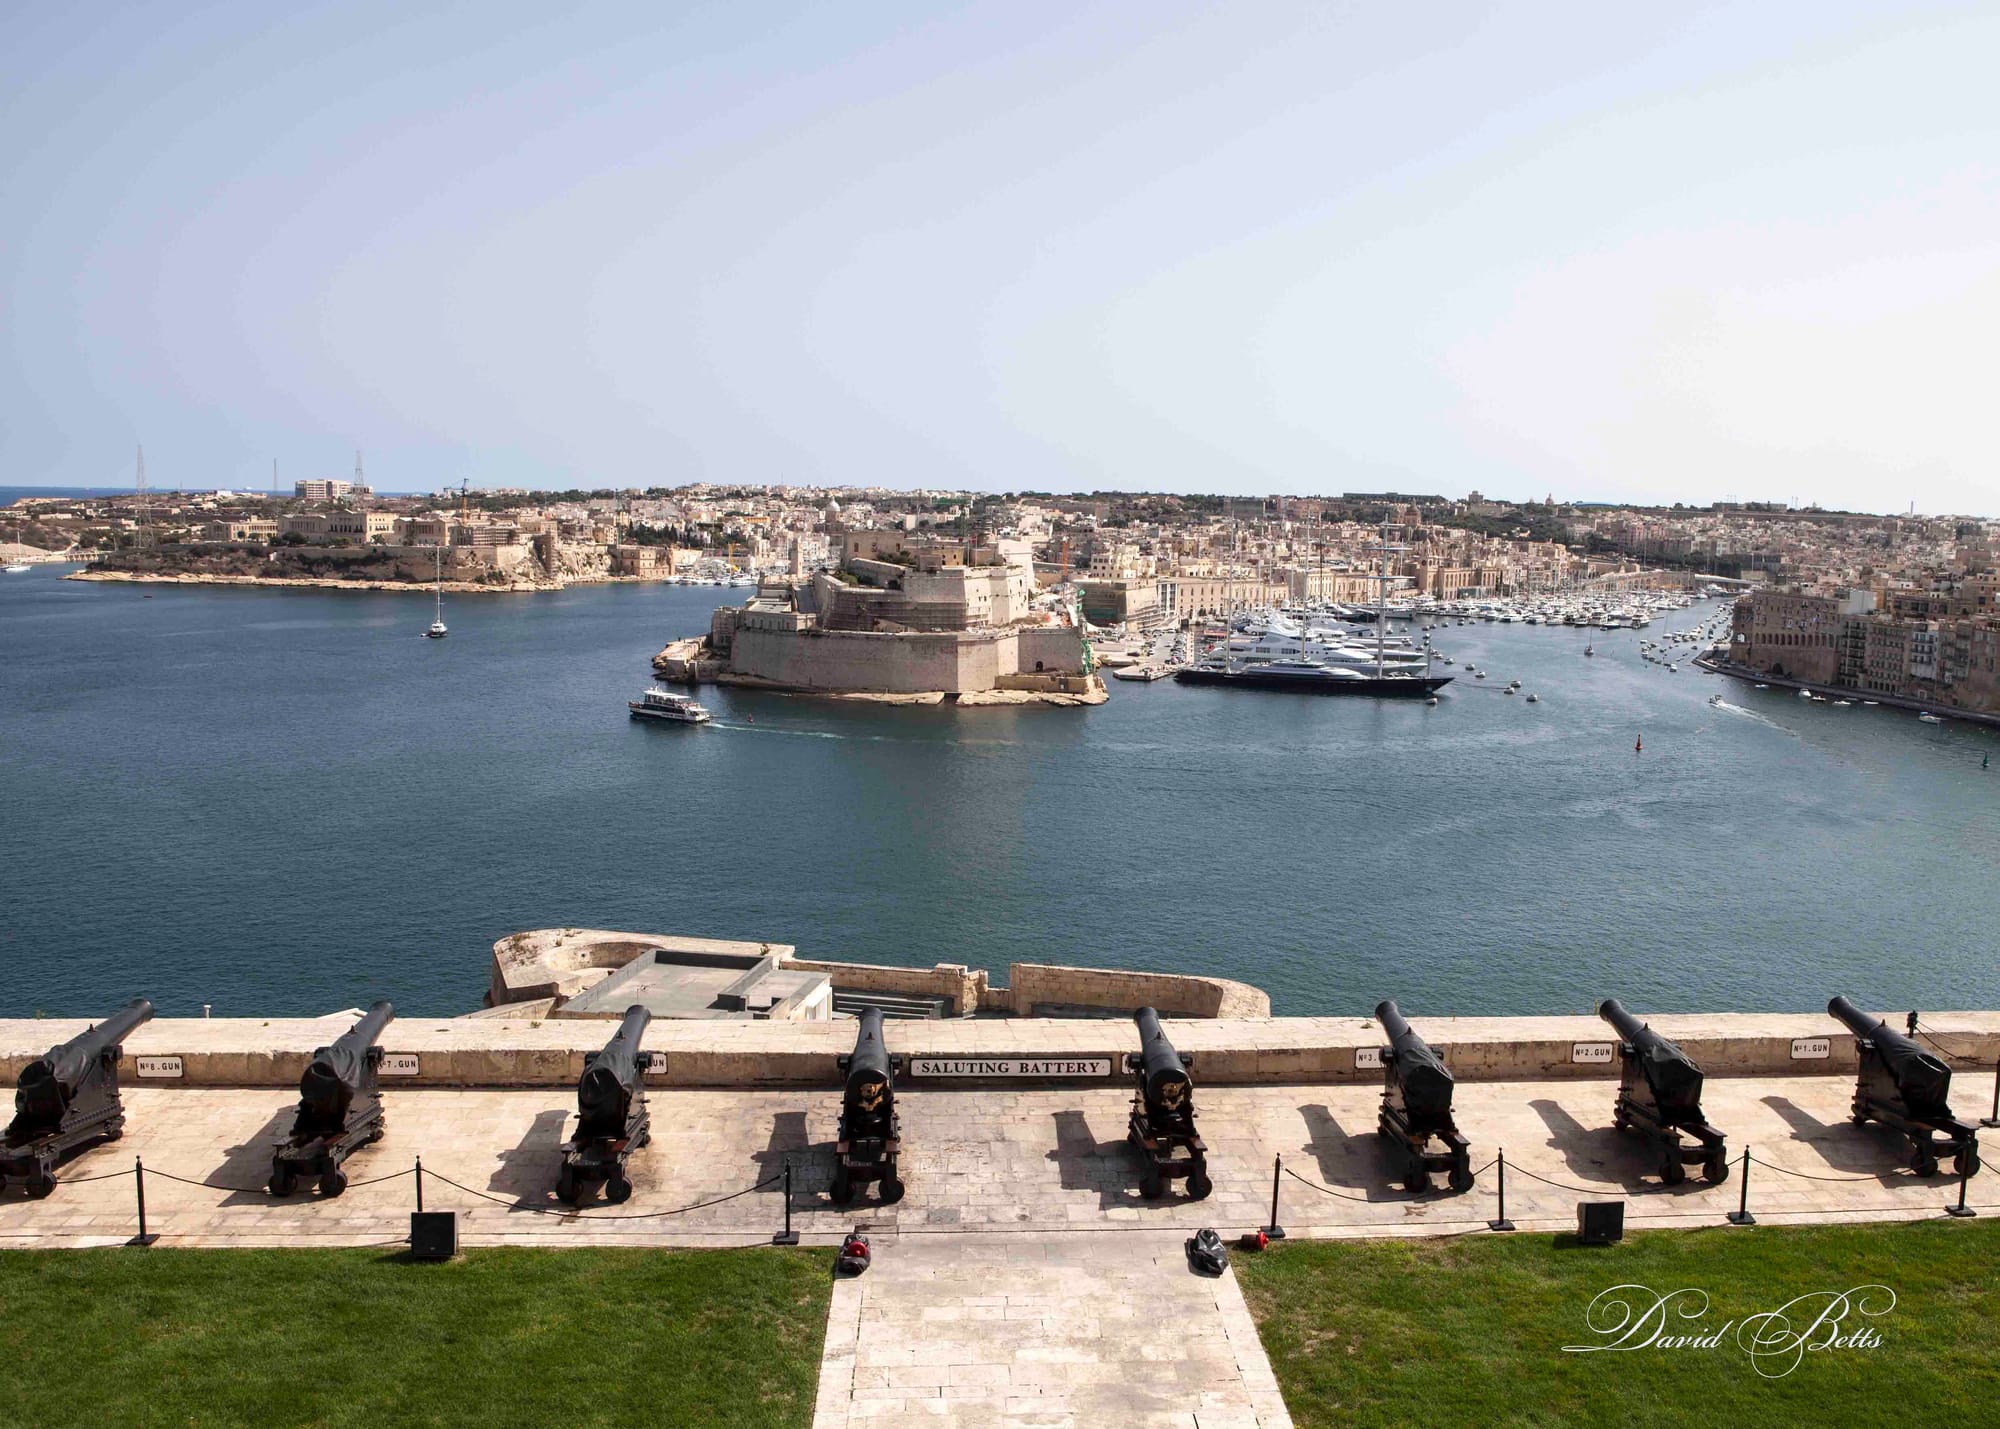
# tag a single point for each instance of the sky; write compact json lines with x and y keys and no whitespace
{"x":1605,"y":252}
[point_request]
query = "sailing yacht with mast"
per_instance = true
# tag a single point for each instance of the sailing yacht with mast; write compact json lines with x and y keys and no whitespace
{"x":438,"y":629}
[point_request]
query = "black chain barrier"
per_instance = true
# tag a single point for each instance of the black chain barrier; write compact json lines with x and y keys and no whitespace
{"x":770,"y":1180}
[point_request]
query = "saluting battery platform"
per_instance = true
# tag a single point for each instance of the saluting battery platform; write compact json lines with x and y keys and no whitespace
{"x":1904,"y":1087}
{"x":612,"y":1120}
{"x":340,"y":1109}
{"x":871,"y":1134}
{"x":1416,"y":1109}
{"x":1659,"y":1100}
{"x":67,"y":1098}
{"x":1162,"y":1121}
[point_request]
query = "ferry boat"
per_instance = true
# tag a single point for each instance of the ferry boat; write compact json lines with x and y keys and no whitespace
{"x":661,"y":704}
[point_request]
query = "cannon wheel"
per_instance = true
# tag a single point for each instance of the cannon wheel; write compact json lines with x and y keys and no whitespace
{"x":1417,"y":1182}
{"x":566,"y":1187}
{"x":1152,"y":1184}
{"x":1198,"y":1184}
{"x":284,"y":1180}
{"x":1461,"y":1179}
{"x":332,"y":1181}
{"x":40,"y":1184}
{"x":1672,"y":1173}
{"x":892,"y":1189}
{"x":618,"y":1189}
{"x":1966,"y":1162}
{"x":842,"y":1189}
{"x":1924,"y":1163}
{"x":1715,"y":1170}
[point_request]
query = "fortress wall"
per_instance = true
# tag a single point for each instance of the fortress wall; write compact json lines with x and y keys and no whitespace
{"x":496,"y":1051}
{"x":912,"y":663}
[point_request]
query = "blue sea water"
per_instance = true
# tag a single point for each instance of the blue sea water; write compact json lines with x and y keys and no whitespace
{"x":283,"y":802}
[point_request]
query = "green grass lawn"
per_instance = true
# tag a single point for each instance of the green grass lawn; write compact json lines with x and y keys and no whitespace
{"x":499,"y":1337}
{"x":1471,"y":1330}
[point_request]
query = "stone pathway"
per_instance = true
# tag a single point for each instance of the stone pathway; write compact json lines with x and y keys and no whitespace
{"x":1072,"y":1329}
{"x":1032,"y":1161}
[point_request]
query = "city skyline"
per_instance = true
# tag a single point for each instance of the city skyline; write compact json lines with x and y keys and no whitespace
{"x":1616,"y":258}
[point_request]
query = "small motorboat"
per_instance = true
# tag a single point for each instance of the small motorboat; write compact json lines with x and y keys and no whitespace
{"x":1715,"y":699}
{"x":1534,"y":699}
{"x":1928,"y":718}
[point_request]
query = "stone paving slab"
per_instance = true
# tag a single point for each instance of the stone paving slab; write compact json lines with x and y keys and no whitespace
{"x":987,"y":1161}
{"x":1043,"y":1332}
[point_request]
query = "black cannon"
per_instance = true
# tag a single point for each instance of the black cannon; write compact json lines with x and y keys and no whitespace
{"x":1659,"y":1100}
{"x":1163,"y":1113}
{"x":1904,"y":1087}
{"x":67,"y":1097}
{"x":340,"y":1109}
{"x":871,"y":1133}
{"x":1416,"y":1109}
{"x":612,"y":1121}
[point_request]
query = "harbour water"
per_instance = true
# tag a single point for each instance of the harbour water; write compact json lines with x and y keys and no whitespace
{"x":287,"y":802}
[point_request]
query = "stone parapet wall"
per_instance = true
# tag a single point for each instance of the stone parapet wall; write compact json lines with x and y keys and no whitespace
{"x":1038,"y":985}
{"x":495,"y":1051}
{"x":964,"y":989}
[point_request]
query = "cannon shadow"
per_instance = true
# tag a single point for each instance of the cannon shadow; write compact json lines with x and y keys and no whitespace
{"x":528,"y":1170}
{"x":1110,"y":1168}
{"x":1870,"y":1150}
{"x":246,"y":1168}
{"x":1594,"y":1153}
{"x":1347,"y":1160}
{"x":790,"y":1142}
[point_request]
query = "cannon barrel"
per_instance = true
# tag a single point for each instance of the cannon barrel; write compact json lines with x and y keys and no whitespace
{"x":1629,"y":1027}
{"x":1159,"y":1063}
{"x":1392,"y":1020}
{"x":604,"y":1092}
{"x":334,"y":1074}
{"x":1921,"y":1077}
{"x":42,"y":1094}
{"x":1670,"y":1072}
{"x":870,"y":1061}
{"x":1427,"y":1085}
{"x":67,"y":1062}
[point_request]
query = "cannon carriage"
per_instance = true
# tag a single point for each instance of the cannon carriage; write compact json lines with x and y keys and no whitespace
{"x":1416,"y":1110}
{"x":871,"y":1133}
{"x":67,"y":1098}
{"x":612,"y":1120}
{"x":1659,"y":1101}
{"x":339,"y":1111}
{"x":1906,"y":1089}
{"x":1162,"y":1122}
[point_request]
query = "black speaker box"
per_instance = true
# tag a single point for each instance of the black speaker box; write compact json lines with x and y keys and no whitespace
{"x":433,"y":1234}
{"x":1600,"y":1222}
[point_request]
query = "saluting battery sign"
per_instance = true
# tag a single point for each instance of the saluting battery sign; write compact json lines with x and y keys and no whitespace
{"x":1065,"y":1067}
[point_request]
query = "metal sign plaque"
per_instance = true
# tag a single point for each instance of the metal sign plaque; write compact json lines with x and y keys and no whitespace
{"x":1811,"y":1049}
{"x":1591,"y":1053}
{"x":1062,"y":1067}
{"x":399,"y":1064}
{"x":657,"y":1067}
{"x":1366,"y":1058}
{"x":157,"y":1066}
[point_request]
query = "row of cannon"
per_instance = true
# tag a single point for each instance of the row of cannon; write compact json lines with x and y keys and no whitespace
{"x":68,"y":1099}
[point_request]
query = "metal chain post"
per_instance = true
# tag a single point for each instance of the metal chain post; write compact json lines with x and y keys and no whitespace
{"x":1500,"y":1222}
{"x":1274,"y":1231}
{"x":420,"y":1185}
{"x":1741,"y":1215}
{"x":1964,"y":1174}
{"x":787,"y":1236}
{"x":139,"y":1184}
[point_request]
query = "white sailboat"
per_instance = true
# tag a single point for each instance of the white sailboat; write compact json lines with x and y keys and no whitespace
{"x":438,"y":630}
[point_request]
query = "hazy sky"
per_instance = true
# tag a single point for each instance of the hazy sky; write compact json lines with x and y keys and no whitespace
{"x":1607,"y":250}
